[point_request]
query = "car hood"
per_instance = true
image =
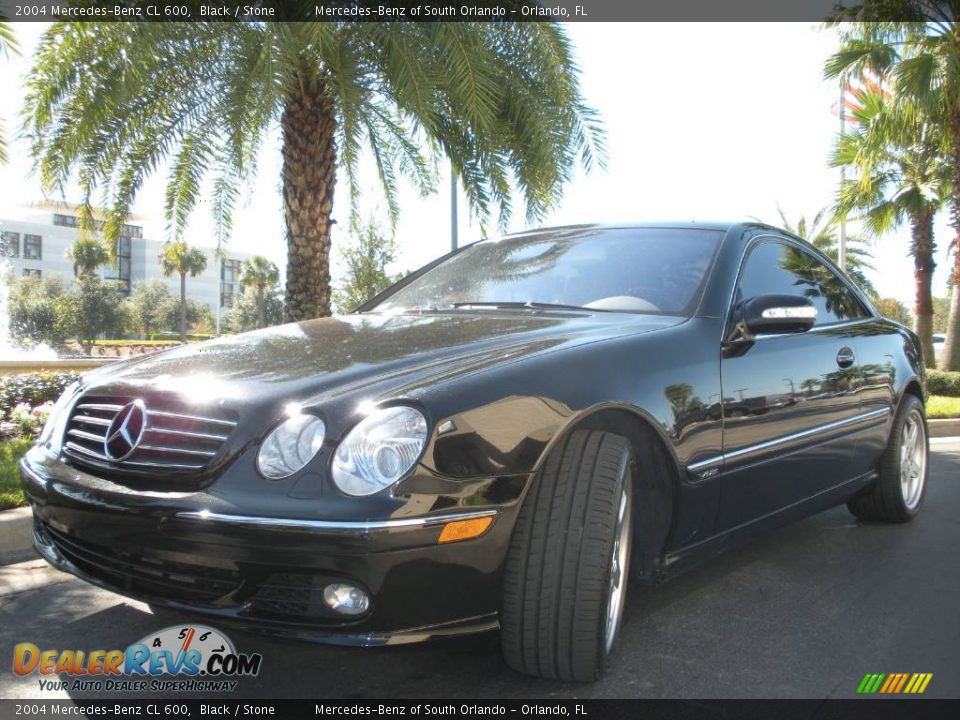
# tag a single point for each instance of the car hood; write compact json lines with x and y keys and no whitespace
{"x":312,"y":361}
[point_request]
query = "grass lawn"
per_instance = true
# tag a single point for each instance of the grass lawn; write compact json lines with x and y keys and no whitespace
{"x":10,"y":452}
{"x":939,"y":406}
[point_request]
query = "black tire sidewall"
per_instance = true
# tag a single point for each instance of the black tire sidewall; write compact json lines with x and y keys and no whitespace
{"x":556,"y":580}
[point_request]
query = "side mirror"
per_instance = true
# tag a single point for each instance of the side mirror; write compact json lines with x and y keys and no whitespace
{"x":774,"y":314}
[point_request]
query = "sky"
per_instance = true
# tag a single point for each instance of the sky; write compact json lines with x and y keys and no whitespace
{"x":704,"y":122}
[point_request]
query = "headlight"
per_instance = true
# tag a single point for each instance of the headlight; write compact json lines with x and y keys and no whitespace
{"x":290,"y":446}
{"x":51,"y":437}
{"x":379,"y":450}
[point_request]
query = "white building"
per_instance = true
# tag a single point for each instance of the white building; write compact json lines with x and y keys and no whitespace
{"x":37,"y":244}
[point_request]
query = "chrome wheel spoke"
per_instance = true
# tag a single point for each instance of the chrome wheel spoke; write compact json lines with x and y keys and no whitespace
{"x":913,"y":459}
{"x":616,"y":591}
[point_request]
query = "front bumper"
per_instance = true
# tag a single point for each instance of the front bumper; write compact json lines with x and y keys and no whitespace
{"x":197,"y":553}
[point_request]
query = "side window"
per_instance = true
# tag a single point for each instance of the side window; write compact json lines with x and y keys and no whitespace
{"x":784,"y":269}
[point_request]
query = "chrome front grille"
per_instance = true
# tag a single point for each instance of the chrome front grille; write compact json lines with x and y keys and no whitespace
{"x":174,"y":437}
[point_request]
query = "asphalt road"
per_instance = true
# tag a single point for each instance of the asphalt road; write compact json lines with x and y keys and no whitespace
{"x":806,"y":611}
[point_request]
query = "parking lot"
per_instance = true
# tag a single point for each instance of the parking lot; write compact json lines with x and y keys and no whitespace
{"x":806,"y":611}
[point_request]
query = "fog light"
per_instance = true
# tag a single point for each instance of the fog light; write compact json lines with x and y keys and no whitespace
{"x":346,"y":599}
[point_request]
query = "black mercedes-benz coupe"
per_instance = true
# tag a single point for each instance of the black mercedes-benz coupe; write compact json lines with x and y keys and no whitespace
{"x":499,"y":440}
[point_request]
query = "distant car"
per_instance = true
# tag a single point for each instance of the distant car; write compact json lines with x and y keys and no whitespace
{"x":939,"y":343}
{"x":498,"y":440}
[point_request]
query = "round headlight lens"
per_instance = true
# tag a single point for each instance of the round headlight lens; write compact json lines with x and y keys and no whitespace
{"x":290,"y":446}
{"x":379,"y":450}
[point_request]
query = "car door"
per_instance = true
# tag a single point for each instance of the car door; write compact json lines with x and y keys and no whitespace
{"x":791,"y":404}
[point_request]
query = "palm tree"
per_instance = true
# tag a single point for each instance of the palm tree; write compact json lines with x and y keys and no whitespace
{"x":821,"y":232}
{"x":87,"y":254}
{"x":8,"y":44}
{"x":178,"y":257}
{"x":500,"y":100}
{"x":921,"y":59}
{"x":261,"y":274}
{"x":902,"y":175}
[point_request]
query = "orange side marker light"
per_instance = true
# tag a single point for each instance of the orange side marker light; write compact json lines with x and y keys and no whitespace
{"x":464,"y":529}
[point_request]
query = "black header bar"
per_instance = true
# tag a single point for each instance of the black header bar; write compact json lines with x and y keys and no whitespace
{"x":865,"y":709}
{"x":439,"y":10}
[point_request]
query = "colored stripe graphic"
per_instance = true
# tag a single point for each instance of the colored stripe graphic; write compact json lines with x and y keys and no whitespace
{"x":870,"y":683}
{"x":894,"y":683}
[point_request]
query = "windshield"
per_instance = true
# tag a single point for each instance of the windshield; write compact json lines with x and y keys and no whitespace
{"x":646,"y":270}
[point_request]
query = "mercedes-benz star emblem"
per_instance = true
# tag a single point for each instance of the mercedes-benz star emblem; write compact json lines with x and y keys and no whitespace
{"x":125,"y":431}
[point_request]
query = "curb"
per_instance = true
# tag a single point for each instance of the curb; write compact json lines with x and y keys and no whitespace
{"x":944,"y":428}
{"x":16,"y":535}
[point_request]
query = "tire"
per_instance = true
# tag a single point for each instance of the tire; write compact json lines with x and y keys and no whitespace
{"x":897,"y":493}
{"x":567,"y":567}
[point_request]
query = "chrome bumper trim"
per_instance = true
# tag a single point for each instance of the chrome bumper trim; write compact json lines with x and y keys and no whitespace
{"x":335,"y":526}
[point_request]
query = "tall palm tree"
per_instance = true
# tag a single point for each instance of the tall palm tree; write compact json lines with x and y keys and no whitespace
{"x":921,"y":59}
{"x":8,"y":44}
{"x":500,"y":100}
{"x":902,"y":175}
{"x":179,"y":258}
{"x":87,"y":254}
{"x":262,"y":275}
{"x":822,"y":233}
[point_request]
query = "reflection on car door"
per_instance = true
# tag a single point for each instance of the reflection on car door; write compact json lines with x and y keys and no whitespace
{"x":791,"y":402}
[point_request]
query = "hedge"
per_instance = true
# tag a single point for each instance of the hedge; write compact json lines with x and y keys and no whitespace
{"x":941,"y":382}
{"x":135,"y":343}
{"x":32,"y":388}
{"x":175,"y":337}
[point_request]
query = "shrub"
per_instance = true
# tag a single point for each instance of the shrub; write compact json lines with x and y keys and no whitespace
{"x":94,"y":308}
{"x":37,"y":310}
{"x":941,"y":382}
{"x":11,"y":493}
{"x":175,"y":337}
{"x":134,"y":343}
{"x":32,"y":389}
{"x":30,"y":420}
{"x":366,"y":260}
{"x":244,"y":314}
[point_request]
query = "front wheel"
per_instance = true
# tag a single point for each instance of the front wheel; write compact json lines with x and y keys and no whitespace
{"x":896,"y":494}
{"x":565,"y":578}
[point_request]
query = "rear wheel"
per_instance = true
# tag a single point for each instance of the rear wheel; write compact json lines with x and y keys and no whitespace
{"x":565,"y":578}
{"x":897,"y":493}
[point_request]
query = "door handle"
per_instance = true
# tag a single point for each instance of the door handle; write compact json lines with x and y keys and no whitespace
{"x":845,"y":357}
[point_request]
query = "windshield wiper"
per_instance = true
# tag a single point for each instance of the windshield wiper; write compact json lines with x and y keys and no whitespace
{"x":528,"y":305}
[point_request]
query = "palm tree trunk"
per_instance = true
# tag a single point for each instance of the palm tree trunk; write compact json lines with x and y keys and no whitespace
{"x":923,"y":265}
{"x":309,"y":175}
{"x":951,"y":351}
{"x":183,"y":307}
{"x":261,"y":308}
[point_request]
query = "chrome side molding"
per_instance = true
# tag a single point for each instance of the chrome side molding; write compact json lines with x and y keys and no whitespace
{"x":718,"y":459}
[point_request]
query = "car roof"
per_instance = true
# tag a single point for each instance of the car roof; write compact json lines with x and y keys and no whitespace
{"x":723,"y":226}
